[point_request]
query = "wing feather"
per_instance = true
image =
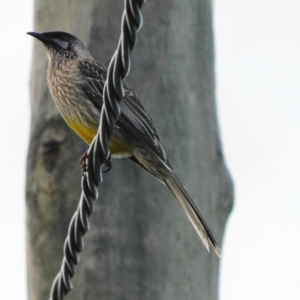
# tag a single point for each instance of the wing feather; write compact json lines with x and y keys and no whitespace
{"x":134,"y":118}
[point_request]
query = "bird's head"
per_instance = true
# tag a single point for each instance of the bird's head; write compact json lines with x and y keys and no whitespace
{"x":62,"y":46}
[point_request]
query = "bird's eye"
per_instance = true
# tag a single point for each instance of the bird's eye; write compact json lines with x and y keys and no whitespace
{"x":64,"y":39}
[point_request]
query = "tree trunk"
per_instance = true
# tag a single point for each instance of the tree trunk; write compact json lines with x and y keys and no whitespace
{"x":140,"y":244}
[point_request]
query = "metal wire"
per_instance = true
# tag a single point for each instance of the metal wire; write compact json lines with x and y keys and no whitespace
{"x":99,"y":152}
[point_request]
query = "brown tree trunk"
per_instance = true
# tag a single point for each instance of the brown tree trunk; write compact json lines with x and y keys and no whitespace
{"x":140,"y":245}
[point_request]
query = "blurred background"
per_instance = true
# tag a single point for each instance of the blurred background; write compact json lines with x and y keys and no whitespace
{"x":257,"y":46}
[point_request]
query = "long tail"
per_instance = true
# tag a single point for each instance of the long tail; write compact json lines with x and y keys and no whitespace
{"x":186,"y":202}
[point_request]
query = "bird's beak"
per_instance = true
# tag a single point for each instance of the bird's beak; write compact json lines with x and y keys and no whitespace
{"x":39,"y":36}
{"x":47,"y":41}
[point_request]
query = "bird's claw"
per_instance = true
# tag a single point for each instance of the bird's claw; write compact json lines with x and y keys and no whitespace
{"x":83,"y":162}
{"x":108,"y":165}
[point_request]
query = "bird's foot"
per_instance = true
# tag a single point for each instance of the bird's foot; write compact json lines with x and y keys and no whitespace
{"x":83,"y":162}
{"x":108,"y":165}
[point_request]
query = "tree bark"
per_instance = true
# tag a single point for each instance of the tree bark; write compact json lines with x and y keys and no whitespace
{"x":140,"y":244}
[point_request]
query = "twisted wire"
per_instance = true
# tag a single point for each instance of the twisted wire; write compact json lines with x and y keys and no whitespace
{"x":99,"y":152}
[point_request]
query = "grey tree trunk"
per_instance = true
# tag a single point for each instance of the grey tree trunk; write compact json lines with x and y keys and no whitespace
{"x":140,"y":245}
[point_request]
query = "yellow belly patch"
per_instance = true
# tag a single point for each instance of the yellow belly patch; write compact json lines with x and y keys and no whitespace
{"x":88,"y":134}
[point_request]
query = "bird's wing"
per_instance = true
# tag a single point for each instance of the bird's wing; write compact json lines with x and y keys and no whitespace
{"x":133,"y":118}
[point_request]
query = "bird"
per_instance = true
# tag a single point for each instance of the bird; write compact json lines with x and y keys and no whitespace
{"x":76,"y":82}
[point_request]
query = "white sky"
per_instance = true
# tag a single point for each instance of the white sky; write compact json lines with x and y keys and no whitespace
{"x":258,"y":89}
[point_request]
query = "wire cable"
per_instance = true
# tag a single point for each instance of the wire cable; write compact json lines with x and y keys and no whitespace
{"x":99,"y":153}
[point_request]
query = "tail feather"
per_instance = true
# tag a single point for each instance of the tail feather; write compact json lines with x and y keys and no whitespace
{"x":186,"y":202}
